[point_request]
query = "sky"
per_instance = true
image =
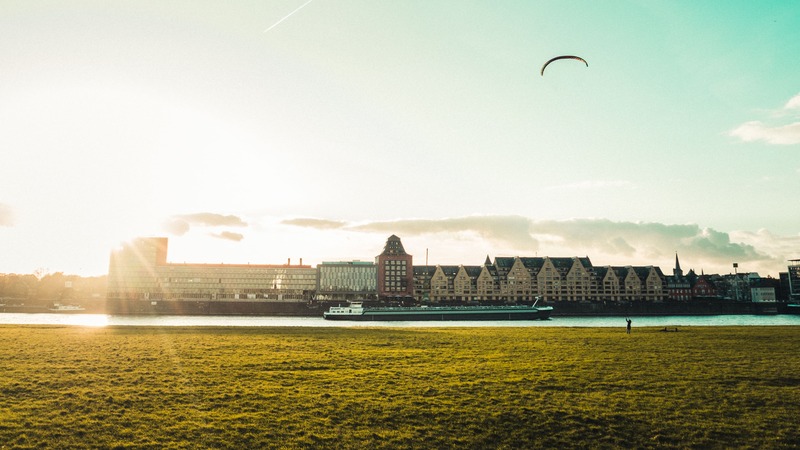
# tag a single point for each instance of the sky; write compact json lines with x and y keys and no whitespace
{"x":266,"y":132}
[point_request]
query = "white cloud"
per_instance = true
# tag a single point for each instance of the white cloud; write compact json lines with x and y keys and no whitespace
{"x":758,"y":131}
{"x":793,"y":103}
{"x":212,"y":219}
{"x":177,"y":227}
{"x":506,"y":230}
{"x":180,"y":224}
{"x":314,"y":223}
{"x":606,"y":242}
{"x":781,"y":248}
{"x":228,"y":236}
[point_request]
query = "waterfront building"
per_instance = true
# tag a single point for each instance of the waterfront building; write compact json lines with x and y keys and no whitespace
{"x":422,"y":282}
{"x":516,"y":285}
{"x":524,"y":279}
{"x":678,"y":286}
{"x":140,"y":279}
{"x":608,"y":285}
{"x":704,"y":288}
{"x":395,"y":272}
{"x":631,"y":282}
{"x":794,"y":280}
{"x":580,"y":283}
{"x":735,"y":287}
{"x":653,"y":282}
{"x":782,"y":287}
{"x":487,"y":282}
{"x":442,"y":284}
{"x":347,"y":281}
{"x":763,"y":291}
{"x":453,"y":284}
{"x":465,"y":284}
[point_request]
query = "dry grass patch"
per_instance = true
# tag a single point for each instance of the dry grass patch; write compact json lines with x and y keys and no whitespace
{"x":147,"y":387}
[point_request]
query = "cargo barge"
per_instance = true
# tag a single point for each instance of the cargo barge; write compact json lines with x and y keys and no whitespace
{"x":357,"y":311}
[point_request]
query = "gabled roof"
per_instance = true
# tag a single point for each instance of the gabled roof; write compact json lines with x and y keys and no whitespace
{"x":622,"y":271}
{"x":703,"y":279}
{"x":473,"y":271}
{"x":562,"y":264}
{"x":601,"y":272}
{"x":585,"y":262}
{"x":642,"y":272}
{"x":534,"y":263}
{"x":424,"y":270}
{"x":503,"y":262}
{"x":450,"y":271}
{"x":492,"y":270}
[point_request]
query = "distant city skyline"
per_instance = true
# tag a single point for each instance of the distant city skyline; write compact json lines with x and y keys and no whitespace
{"x":262,"y":131}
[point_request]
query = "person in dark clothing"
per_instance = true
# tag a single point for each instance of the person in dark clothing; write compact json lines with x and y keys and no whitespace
{"x":629,"y":324}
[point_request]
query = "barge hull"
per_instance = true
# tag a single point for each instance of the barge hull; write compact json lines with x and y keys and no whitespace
{"x":442,"y":316}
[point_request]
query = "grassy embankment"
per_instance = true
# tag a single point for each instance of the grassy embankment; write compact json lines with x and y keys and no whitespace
{"x":398,"y":388}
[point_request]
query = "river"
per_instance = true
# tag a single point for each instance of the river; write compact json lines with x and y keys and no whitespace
{"x":103,"y":320}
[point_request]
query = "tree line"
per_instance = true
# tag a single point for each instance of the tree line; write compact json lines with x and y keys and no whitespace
{"x":45,"y":289}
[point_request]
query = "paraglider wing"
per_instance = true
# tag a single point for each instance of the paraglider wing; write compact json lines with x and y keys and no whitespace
{"x":563,"y":57}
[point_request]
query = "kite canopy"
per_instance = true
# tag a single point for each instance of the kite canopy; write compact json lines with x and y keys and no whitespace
{"x":563,"y":57}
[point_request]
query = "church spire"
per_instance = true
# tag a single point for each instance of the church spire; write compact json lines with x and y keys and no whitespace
{"x":677,"y":272}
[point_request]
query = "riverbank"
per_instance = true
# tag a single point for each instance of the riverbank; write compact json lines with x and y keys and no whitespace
{"x":200,"y":387}
{"x":315,"y":309}
{"x":688,"y":308}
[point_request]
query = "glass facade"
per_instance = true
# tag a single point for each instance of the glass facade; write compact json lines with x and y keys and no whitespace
{"x":794,"y":279}
{"x":139,"y":271}
{"x":353,"y":280}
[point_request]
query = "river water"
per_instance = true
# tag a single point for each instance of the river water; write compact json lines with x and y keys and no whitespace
{"x":103,"y":320}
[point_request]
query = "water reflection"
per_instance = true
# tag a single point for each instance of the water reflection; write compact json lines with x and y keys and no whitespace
{"x":102,"y":320}
{"x":84,"y":320}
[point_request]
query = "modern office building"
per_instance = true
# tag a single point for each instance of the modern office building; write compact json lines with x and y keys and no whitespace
{"x":347,"y":281}
{"x":141,"y":280}
{"x":794,"y":280}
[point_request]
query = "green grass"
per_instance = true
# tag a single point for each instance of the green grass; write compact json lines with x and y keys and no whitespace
{"x":132,"y":387}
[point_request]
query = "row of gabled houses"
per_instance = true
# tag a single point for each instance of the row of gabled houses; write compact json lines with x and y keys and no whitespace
{"x":524,"y":279}
{"x":575,"y":279}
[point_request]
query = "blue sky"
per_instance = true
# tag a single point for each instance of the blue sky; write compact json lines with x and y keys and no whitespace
{"x":263,"y":131}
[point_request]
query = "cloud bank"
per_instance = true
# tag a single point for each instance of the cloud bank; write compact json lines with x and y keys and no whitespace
{"x":179,"y":225}
{"x":606,"y":242}
{"x":321,"y":224}
{"x":228,"y":236}
{"x":756,"y":130}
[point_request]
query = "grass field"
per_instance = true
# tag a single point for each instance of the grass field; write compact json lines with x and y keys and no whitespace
{"x":132,"y":387}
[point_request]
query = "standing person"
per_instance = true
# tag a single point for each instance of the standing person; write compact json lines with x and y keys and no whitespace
{"x":629,"y":324}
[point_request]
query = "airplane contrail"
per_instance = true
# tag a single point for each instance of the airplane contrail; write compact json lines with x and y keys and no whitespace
{"x":287,"y":16}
